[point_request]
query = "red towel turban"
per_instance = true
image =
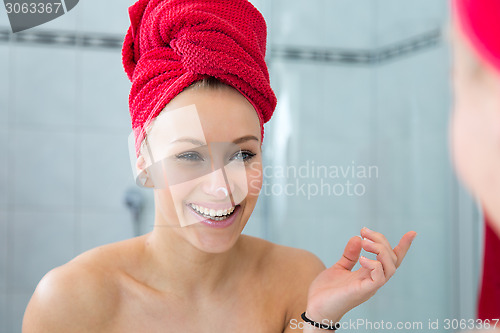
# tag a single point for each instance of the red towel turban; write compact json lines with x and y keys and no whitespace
{"x":480,"y":22}
{"x":173,"y":43}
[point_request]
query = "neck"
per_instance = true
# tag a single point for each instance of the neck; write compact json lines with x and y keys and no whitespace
{"x":176,"y":266}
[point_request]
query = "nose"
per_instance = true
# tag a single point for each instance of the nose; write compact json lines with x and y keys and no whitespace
{"x":216,"y":185}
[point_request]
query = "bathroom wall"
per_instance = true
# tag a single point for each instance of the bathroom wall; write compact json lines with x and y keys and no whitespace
{"x":63,"y":126}
{"x":360,"y":83}
{"x":365,"y":84}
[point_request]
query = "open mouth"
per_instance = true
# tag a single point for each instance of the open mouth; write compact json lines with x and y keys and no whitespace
{"x":213,"y":214}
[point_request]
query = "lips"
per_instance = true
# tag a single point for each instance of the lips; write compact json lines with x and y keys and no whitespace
{"x":217,"y":222}
{"x":212,"y":213}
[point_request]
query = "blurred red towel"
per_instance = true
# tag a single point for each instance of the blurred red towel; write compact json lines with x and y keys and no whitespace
{"x":489,"y":297}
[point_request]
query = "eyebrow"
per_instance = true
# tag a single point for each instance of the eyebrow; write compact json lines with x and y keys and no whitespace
{"x":200,"y":143}
{"x":245,"y":138}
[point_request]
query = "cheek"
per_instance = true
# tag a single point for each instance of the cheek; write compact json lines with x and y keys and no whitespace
{"x":461,"y":145}
{"x":475,"y":137}
{"x":165,"y":206}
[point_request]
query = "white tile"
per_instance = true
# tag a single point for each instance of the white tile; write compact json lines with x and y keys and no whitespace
{"x":44,"y":168}
{"x":40,"y":241}
{"x":397,"y":20}
{"x":20,"y":301}
{"x":5,"y":161}
{"x":105,"y":169}
{"x":95,"y":16}
{"x":44,"y":90}
{"x":4,"y":84}
{"x":104,"y":91}
{"x":101,"y":228}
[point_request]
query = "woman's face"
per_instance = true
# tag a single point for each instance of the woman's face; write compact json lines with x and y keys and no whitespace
{"x":207,"y":166}
{"x":475,"y":126}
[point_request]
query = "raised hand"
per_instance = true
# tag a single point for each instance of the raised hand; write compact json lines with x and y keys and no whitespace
{"x":338,"y":289}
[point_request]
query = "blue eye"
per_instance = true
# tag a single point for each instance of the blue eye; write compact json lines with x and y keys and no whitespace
{"x":190,"y":156}
{"x":243,"y":155}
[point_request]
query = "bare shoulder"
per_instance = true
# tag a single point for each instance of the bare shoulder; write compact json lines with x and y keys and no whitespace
{"x":286,"y":260}
{"x":79,"y":296}
{"x":290,"y":271}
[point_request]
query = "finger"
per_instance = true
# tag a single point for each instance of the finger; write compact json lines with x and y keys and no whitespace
{"x":382,"y":247}
{"x":351,"y":253}
{"x":403,"y":246}
{"x":378,"y":238}
{"x":383,"y":255}
{"x":375,"y":236}
{"x":376,"y":271}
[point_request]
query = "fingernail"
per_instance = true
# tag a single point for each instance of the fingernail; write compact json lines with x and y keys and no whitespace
{"x":366,"y":229}
{"x":369,"y":240}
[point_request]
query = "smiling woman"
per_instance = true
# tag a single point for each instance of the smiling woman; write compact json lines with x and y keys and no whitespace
{"x":200,"y":96}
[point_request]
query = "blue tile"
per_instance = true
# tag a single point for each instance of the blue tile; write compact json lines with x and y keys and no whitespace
{"x":4,"y":85}
{"x":44,"y":89}
{"x":44,"y":169}
{"x":348,"y":24}
{"x":4,"y":315}
{"x":3,"y":251}
{"x":412,"y":134}
{"x":99,"y":228}
{"x":424,"y":93}
{"x":105,"y":171}
{"x":397,"y":20}
{"x":5,"y":162}
{"x":264,"y":8}
{"x":96,"y":16}
{"x":66,"y":22}
{"x":4,"y":19}
{"x":41,"y":241}
{"x":327,"y":102}
{"x":20,"y":301}
{"x":298,"y":23}
{"x":104,"y":91}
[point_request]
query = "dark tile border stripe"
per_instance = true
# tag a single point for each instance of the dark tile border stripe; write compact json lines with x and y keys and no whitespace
{"x":400,"y":49}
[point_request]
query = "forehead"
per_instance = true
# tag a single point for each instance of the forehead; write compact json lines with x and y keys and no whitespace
{"x":208,"y":115}
{"x":222,"y":114}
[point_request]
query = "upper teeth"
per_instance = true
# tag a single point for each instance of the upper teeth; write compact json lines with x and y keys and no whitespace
{"x":212,"y":212}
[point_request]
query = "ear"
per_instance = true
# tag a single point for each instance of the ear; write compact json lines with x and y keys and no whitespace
{"x":142,"y":173}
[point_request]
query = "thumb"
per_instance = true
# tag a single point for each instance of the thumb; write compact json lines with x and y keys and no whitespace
{"x":351,"y":253}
